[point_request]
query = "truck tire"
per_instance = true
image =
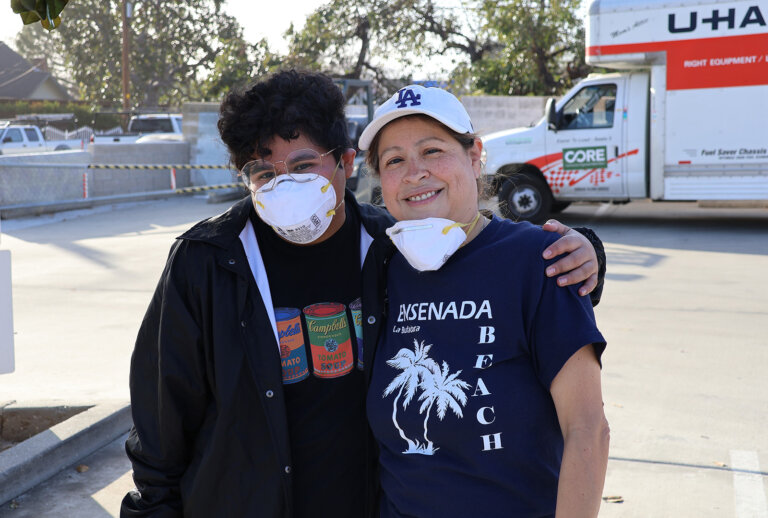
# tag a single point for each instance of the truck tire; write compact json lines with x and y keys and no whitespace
{"x":525,"y":197}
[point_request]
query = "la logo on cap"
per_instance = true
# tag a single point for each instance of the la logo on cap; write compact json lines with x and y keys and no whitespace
{"x":407,"y":95}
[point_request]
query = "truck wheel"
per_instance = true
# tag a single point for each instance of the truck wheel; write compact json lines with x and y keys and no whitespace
{"x":525,"y":197}
{"x":559,"y":206}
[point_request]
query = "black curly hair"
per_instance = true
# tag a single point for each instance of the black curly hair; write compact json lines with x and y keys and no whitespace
{"x":285,"y":104}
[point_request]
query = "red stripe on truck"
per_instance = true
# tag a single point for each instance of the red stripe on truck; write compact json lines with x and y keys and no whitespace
{"x":551,"y":166}
{"x":542,"y":161}
{"x":705,"y":62}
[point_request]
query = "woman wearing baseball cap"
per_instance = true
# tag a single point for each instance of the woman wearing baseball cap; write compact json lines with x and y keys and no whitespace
{"x":485,"y":395}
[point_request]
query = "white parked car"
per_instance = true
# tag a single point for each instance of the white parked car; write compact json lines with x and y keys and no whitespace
{"x":25,"y":139}
{"x":142,"y":126}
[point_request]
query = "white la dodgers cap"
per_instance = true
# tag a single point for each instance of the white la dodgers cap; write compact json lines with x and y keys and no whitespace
{"x":416,"y":99}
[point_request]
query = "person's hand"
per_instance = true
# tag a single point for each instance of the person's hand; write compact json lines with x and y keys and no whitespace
{"x":580,"y":263}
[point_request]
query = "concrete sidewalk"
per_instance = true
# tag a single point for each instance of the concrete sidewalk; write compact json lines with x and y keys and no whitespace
{"x":93,"y":488}
{"x":684,"y":312}
{"x":81,"y":283}
{"x":57,"y":450}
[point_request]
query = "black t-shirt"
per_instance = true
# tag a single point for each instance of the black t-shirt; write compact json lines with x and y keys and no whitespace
{"x":312,"y":290}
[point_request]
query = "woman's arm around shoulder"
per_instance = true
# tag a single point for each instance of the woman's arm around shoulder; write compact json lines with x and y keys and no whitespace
{"x":577,"y":393}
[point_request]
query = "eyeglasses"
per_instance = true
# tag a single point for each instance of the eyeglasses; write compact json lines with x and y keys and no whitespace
{"x":303,"y":165}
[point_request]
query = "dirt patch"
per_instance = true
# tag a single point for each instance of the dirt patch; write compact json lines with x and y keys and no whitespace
{"x":19,"y":422}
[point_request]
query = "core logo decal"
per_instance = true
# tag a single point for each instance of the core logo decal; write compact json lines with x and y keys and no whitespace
{"x":584,"y":157}
{"x":561,"y":173}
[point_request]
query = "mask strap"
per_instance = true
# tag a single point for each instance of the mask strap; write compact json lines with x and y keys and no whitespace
{"x":333,"y":210}
{"x":325,"y":187}
{"x":471,"y":225}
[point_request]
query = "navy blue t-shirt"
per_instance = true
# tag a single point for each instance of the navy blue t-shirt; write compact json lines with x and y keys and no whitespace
{"x":459,"y":399}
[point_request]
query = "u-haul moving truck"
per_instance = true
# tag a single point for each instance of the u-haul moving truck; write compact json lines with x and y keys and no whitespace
{"x":685,"y":119}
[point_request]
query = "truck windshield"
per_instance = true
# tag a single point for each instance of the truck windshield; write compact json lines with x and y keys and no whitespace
{"x":592,"y":107}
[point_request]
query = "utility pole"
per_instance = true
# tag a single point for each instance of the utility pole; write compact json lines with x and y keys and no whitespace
{"x":127,"y":9}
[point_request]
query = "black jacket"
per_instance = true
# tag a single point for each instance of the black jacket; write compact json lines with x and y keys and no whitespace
{"x":210,"y":434}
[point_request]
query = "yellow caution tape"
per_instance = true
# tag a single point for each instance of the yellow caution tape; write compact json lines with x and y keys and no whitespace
{"x":156,"y":166}
{"x":202,"y":188}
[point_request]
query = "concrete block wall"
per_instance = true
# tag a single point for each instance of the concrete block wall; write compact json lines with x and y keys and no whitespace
{"x":29,"y":179}
{"x":108,"y":182}
{"x":205,"y":145}
{"x":35,"y":179}
{"x":495,"y":113}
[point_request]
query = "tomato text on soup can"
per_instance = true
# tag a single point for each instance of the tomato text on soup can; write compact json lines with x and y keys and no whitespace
{"x":329,"y":339}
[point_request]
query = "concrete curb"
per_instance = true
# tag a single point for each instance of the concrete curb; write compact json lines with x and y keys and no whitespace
{"x":33,"y":461}
{"x":40,"y":208}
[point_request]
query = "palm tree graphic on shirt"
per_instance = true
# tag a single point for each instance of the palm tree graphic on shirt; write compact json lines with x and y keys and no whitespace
{"x":440,"y":389}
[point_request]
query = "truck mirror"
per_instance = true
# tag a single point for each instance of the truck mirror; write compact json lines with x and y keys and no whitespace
{"x":551,"y":114}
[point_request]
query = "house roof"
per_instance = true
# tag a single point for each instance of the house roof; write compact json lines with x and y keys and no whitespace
{"x":19,"y":78}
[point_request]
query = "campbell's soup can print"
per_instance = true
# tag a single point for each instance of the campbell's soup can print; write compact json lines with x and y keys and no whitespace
{"x":356,"y":308}
{"x":329,"y":339}
{"x":293,"y":354}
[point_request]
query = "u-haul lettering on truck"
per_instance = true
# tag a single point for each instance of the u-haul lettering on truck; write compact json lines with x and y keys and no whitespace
{"x":727,"y":19}
{"x":585,"y":158}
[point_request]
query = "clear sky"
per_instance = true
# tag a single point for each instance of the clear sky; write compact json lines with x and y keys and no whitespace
{"x":262,"y":19}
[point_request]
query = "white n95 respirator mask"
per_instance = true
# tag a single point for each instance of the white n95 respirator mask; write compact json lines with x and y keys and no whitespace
{"x":298,"y":207}
{"x":428,"y":243}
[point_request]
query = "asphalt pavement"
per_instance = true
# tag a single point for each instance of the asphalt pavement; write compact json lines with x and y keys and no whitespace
{"x":685,"y":313}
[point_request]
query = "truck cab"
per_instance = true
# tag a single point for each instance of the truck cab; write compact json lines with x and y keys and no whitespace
{"x":20,"y":139}
{"x":588,"y":146}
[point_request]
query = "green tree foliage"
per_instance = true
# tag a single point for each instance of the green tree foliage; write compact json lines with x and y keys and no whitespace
{"x":381,"y":40}
{"x":503,"y":47}
{"x":237,"y":64}
{"x":191,"y":51}
{"x":541,"y":47}
{"x":175,"y":50}
{"x":343,"y":38}
{"x":84,"y":53}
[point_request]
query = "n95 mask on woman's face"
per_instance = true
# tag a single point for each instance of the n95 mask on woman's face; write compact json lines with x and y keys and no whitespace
{"x":427,"y":243}
{"x":299,"y":211}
